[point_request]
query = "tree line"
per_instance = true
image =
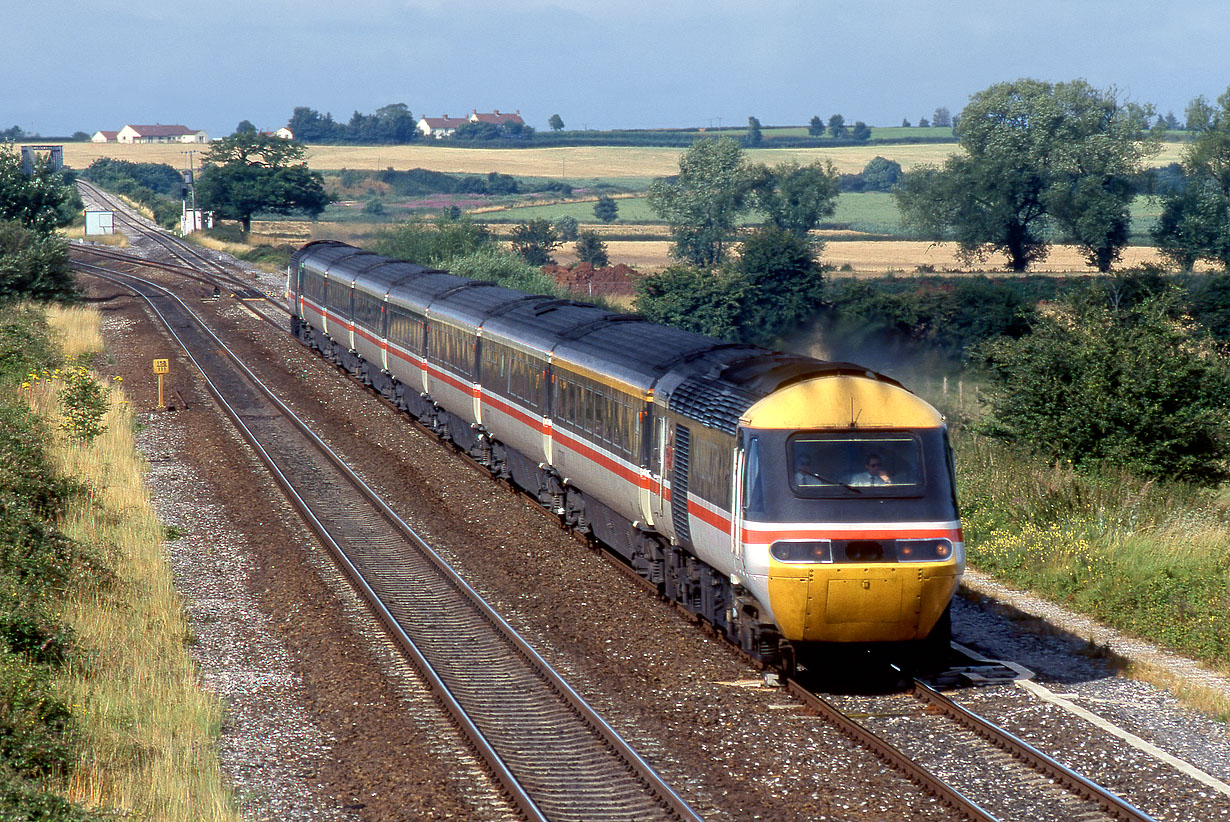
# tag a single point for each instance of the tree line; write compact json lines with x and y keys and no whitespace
{"x":1043,"y":161}
{"x":34,"y":261}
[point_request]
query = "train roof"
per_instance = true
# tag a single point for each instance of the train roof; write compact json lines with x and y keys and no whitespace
{"x":387,"y":274}
{"x":630,"y":348}
{"x":710,"y":381}
{"x":470,"y":305}
{"x":536,"y":326}
{"x":320,"y":255}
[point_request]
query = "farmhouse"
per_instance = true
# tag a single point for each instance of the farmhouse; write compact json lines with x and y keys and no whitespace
{"x":496,"y":118}
{"x":160,"y":134}
{"x":440,"y":127}
{"x":104,"y":136}
{"x":282,"y":134}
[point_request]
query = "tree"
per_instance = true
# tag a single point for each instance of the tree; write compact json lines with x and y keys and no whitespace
{"x":1138,"y":386}
{"x":1035,"y":156}
{"x":1198,"y":115}
{"x":942,"y":118}
{"x":815,"y":128}
{"x":795,"y":198}
{"x":695,"y":299}
{"x":34,"y":265}
{"x":837,"y":126}
{"x":1195,"y":221}
{"x":781,"y":287}
{"x":861,"y":131}
{"x":606,"y":209}
{"x":534,"y":241}
{"x":591,"y":249}
{"x":556,"y":123}
{"x":905,"y":122}
{"x":774,"y":286}
{"x":566,"y":228}
{"x":245,"y":127}
{"x":923,"y":122}
{"x":309,"y":126}
{"x":41,"y":201}
{"x":249,"y":173}
{"x":704,"y":201}
{"x":754,"y":137}
{"x":881,"y":174}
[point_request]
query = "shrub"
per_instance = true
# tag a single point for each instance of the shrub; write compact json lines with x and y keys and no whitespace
{"x":1139,"y":386}
{"x":433,"y":243}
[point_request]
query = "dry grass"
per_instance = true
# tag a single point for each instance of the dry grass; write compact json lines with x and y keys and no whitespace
{"x":117,"y":239}
{"x":149,"y":732}
{"x":1207,"y":699}
{"x":581,"y":162}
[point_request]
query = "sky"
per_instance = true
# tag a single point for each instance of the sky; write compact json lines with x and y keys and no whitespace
{"x":86,"y":65}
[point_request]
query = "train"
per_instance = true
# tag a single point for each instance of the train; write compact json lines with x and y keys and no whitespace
{"x":793,"y":504}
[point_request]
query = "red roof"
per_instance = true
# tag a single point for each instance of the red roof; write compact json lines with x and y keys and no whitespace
{"x":496,"y":118}
{"x":445,"y":121}
{"x":161,"y":131}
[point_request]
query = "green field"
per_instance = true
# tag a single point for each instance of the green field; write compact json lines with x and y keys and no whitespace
{"x":868,"y":213}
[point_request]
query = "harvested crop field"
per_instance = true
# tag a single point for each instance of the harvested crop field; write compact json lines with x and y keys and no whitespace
{"x":573,"y":163}
{"x":875,"y":257}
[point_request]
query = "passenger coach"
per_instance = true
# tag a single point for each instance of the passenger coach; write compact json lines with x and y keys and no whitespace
{"x":788,"y":501}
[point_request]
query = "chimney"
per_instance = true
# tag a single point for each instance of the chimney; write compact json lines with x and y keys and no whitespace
{"x":497,"y":112}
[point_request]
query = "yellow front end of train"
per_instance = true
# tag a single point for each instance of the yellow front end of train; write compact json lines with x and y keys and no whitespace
{"x":850,"y":530}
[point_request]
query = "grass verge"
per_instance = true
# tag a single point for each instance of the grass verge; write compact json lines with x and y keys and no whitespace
{"x":144,"y":735}
{"x":1150,"y":559}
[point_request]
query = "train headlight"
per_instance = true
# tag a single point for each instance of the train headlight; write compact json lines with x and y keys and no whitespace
{"x":814,"y":551}
{"x":924,"y":550}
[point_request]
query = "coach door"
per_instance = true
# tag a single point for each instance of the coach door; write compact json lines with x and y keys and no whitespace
{"x":660,"y":465}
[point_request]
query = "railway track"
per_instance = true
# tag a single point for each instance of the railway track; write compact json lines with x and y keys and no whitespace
{"x":191,"y":258}
{"x":556,"y":758}
{"x":991,"y":774}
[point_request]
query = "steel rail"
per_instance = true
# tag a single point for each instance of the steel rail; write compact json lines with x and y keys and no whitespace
{"x":891,"y":754}
{"x":1035,"y":758}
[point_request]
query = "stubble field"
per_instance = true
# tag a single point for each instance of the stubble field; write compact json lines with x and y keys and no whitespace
{"x":582,"y":162}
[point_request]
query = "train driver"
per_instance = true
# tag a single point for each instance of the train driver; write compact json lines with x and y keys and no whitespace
{"x":804,"y":474}
{"x":873,"y":473}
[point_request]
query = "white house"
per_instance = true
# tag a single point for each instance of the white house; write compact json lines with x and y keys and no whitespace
{"x":104,"y":136}
{"x":160,"y":134}
{"x":440,"y":126}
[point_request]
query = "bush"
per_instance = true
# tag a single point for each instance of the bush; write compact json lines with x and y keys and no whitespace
{"x":1138,"y":386}
{"x":38,"y":565}
{"x":508,"y":270}
{"x":433,"y":243}
{"x":34,"y":265}
{"x":157,"y":186}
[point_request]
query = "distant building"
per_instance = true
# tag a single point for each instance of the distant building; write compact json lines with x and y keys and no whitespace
{"x":496,"y":118}
{"x":160,"y":134}
{"x":439,"y":127}
{"x":104,"y":136}
{"x":282,"y":134}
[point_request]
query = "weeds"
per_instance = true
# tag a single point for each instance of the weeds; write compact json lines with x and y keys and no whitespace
{"x":1150,"y":558}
